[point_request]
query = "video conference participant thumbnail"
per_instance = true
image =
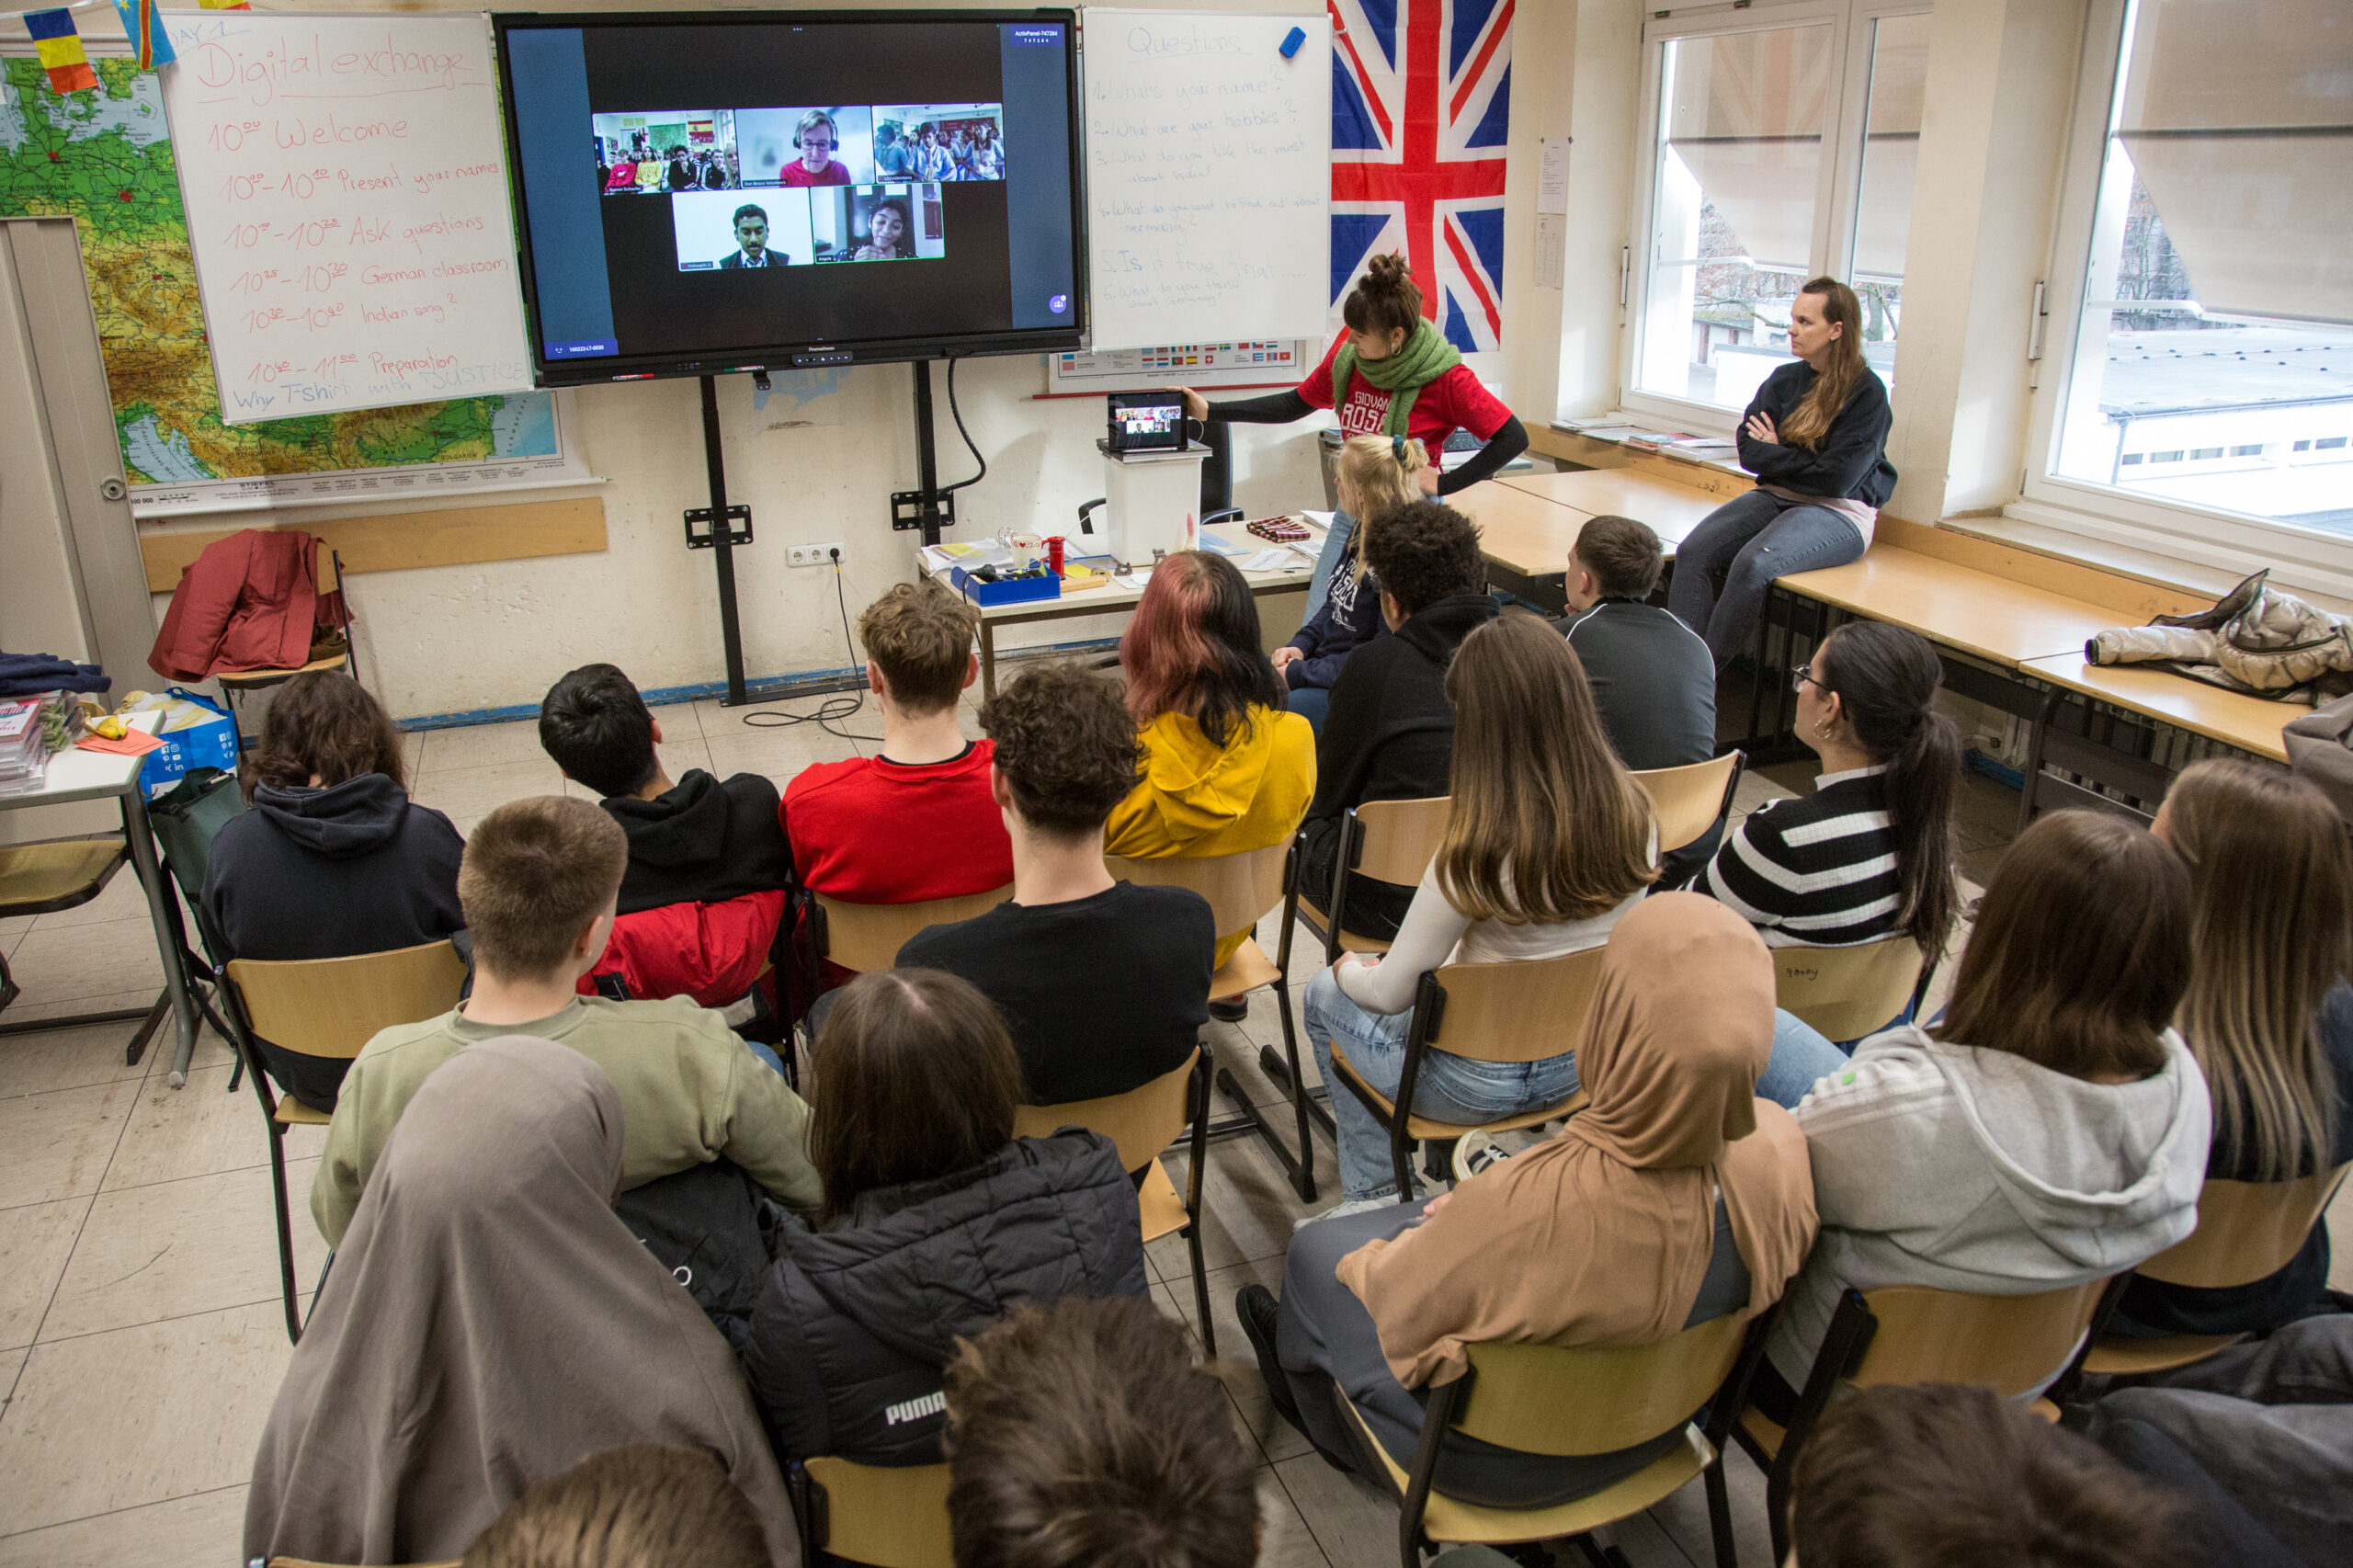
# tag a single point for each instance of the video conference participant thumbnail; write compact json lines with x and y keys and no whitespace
{"x":939,"y":142}
{"x":661,"y":151}
{"x":811,"y":145}
{"x":878,"y":222}
{"x":734,"y":230}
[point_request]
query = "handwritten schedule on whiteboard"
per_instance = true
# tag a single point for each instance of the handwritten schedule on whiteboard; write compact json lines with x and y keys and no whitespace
{"x":1208,"y":175}
{"x":345,"y":185}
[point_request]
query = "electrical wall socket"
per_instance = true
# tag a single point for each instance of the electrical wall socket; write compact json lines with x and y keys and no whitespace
{"x":814,"y":554}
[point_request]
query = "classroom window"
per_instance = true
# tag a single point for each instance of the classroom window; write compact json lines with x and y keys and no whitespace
{"x":1783,"y":146}
{"x":2130,"y":457}
{"x":2209,"y":252}
{"x":2171,"y":457}
{"x":2328,"y":443}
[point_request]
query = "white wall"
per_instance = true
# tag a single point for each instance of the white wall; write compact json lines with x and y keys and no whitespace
{"x":454,"y":638}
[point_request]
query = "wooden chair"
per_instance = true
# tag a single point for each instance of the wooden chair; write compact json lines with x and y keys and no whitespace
{"x":1390,"y":841}
{"x":1914,"y":1334}
{"x":65,"y":873}
{"x":1847,"y":993}
{"x":888,"y":1516}
{"x":1689,"y":800}
{"x":1144,"y":1122}
{"x":307,"y":1562}
{"x":1543,"y":1399}
{"x":2247,"y":1230}
{"x":328,"y":1008}
{"x":865,"y":937}
{"x":237,"y":683}
{"x":1242,"y":889}
{"x":1522,"y":1011}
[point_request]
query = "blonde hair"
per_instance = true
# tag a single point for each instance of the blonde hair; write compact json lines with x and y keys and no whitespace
{"x":1548,"y":826}
{"x":2271,"y":930}
{"x":1810,"y":420}
{"x":1378,"y":474}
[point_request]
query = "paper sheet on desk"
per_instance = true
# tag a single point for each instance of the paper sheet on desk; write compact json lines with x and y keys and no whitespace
{"x":1282,"y":558}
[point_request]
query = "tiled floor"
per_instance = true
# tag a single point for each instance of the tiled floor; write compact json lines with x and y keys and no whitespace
{"x":141,"y":1336}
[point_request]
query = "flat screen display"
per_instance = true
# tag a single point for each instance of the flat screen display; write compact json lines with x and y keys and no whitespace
{"x":723,"y":191}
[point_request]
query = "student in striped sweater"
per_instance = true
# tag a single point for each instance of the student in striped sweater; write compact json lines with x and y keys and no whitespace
{"x":1868,"y":854}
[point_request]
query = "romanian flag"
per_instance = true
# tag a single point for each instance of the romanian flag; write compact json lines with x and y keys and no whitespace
{"x":60,"y":50}
{"x":145,"y":28}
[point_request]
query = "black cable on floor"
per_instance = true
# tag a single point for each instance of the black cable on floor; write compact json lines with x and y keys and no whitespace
{"x":835,"y":710}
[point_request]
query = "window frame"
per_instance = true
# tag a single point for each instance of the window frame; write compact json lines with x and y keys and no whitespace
{"x":1832,"y":249}
{"x":2206,"y":536}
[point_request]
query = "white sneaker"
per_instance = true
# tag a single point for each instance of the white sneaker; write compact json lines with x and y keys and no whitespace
{"x":1355,"y":1206}
{"x":1476,"y":1151}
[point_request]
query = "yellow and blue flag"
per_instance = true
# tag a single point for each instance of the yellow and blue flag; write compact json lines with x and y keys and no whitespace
{"x":60,"y":50}
{"x":144,"y":26}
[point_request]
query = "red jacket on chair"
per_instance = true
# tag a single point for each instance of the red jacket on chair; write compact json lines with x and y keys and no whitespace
{"x":712,"y":952}
{"x":246,"y":603}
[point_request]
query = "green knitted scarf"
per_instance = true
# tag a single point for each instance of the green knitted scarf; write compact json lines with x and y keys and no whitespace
{"x":1423,"y":359}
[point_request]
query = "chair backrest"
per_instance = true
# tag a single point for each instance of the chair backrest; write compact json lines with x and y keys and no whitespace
{"x":307,"y":1562}
{"x":890,"y":1517}
{"x":1241,"y":889}
{"x":2008,"y":1344}
{"x":1846,"y":993}
{"x":1520,"y":1011}
{"x":1401,"y":837}
{"x":2247,"y":1230}
{"x":1143,"y":1123}
{"x":863,"y":936}
{"x":1689,"y":800}
{"x":1544,"y":1399}
{"x":333,"y":1006}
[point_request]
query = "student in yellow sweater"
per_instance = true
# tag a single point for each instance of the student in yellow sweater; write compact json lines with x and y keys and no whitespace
{"x":1225,"y":769}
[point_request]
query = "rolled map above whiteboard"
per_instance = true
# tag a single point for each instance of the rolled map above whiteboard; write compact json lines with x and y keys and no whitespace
{"x":344,"y":179}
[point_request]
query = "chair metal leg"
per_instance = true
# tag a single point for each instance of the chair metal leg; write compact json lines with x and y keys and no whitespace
{"x":1720,"y":1515}
{"x":285,"y":1233}
{"x":1300,"y":1167}
{"x":1196,"y":1174}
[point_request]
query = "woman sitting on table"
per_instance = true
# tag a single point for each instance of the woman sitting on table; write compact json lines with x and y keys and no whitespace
{"x":1392,"y":374}
{"x":1868,"y":854}
{"x":1551,"y":843}
{"x":1673,"y":1198}
{"x":1225,"y":769}
{"x":1376,"y":472}
{"x":1815,"y":436}
{"x":334,"y":859}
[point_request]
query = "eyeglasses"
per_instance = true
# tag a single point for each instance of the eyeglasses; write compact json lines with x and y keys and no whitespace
{"x":1799,"y":676}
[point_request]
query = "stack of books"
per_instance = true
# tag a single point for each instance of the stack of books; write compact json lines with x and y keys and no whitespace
{"x":32,"y":729}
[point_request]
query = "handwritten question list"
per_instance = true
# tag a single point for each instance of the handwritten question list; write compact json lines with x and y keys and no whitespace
{"x":347,"y":194}
{"x":1208,"y":173}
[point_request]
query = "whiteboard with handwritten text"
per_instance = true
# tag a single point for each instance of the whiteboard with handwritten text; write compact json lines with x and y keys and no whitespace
{"x":344,"y":179}
{"x":1208,"y":177}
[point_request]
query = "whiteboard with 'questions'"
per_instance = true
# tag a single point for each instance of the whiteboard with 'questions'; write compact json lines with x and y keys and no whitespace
{"x":344,"y":179}
{"x":1208,"y":177}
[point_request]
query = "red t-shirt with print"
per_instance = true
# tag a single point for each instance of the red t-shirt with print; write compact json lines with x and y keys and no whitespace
{"x":1454,"y":402}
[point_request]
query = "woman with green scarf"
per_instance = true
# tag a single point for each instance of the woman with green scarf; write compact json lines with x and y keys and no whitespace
{"x":1393,"y":374}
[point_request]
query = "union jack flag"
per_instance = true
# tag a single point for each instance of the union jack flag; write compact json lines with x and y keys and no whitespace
{"x":1421,"y":110}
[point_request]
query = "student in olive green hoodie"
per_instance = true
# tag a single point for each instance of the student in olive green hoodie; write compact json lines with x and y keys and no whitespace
{"x":538,"y":884}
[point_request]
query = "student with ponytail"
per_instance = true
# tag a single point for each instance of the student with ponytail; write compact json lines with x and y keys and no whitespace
{"x":1393,"y":374}
{"x":1815,"y":436}
{"x":1868,"y":854}
{"x":1377,"y":474}
{"x":2267,"y":1015}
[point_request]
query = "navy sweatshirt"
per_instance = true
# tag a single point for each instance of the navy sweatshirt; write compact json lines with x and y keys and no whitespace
{"x":1851,"y":461}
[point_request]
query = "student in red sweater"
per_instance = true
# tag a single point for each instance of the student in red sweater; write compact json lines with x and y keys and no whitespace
{"x":917,"y":821}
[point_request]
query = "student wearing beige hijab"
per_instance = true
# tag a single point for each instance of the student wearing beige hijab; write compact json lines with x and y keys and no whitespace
{"x":490,"y":1323}
{"x":1676,"y":1196}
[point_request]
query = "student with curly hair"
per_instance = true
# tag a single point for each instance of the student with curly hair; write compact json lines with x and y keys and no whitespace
{"x":1067,"y":754}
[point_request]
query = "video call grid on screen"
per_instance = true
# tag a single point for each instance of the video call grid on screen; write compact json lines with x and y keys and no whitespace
{"x":729,"y":148}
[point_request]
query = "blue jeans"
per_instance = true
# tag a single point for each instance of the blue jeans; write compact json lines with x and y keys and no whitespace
{"x":1802,"y":1058}
{"x":1448,"y":1089}
{"x":1758,"y":537}
{"x":1310,"y":703}
{"x":767,"y":1053}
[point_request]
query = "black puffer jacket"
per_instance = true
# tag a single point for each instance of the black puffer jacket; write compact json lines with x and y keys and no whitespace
{"x":855,"y":1325}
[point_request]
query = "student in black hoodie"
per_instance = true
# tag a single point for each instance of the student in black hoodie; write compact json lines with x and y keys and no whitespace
{"x":708,"y":861}
{"x":1390,"y":734}
{"x":1815,"y":436}
{"x":334,"y":859}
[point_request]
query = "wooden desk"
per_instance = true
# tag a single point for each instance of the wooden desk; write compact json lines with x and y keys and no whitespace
{"x":2249,"y":724}
{"x":1670,"y":510}
{"x":1522,"y":533}
{"x":1989,"y":618}
{"x":1114,"y":599}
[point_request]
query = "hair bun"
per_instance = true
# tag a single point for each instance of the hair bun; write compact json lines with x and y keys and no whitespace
{"x":1386,"y":274}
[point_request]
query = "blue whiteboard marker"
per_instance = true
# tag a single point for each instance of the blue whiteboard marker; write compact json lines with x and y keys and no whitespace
{"x":1292,"y":41}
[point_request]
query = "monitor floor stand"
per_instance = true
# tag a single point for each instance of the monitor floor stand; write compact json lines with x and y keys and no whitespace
{"x":926,"y":506}
{"x":722,"y":538}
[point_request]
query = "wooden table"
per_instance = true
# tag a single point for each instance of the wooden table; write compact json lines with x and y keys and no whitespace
{"x":1987,"y":617}
{"x":77,"y":774}
{"x":1670,"y":510}
{"x":1114,"y":599}
{"x":2249,"y":724}
{"x":1524,"y":534}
